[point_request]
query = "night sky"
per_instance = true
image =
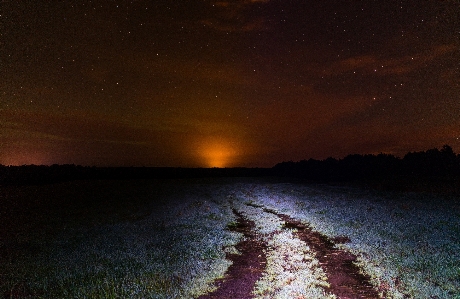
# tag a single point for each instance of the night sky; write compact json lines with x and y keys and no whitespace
{"x":225,"y":83}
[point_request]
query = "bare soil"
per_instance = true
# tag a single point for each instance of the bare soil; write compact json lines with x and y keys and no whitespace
{"x":344,"y":277}
{"x":247,"y":267}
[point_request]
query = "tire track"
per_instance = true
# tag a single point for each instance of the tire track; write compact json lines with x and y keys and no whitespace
{"x":344,"y":277}
{"x":246,"y":267}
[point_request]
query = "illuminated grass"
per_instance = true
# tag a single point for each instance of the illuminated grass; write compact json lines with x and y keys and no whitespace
{"x":150,"y":239}
{"x":292,"y":270}
{"x":175,"y":251}
{"x":408,"y":243}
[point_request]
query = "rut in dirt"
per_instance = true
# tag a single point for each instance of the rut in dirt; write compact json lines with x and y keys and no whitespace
{"x":246,"y":267}
{"x":344,"y":277}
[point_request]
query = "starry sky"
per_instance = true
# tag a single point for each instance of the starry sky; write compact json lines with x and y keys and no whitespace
{"x":216,"y":83}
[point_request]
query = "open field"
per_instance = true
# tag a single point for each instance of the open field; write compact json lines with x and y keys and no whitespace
{"x":170,"y":238}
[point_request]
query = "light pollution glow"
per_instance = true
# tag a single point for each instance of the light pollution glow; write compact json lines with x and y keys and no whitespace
{"x":217,"y":153}
{"x":26,"y":158}
{"x":225,"y":83}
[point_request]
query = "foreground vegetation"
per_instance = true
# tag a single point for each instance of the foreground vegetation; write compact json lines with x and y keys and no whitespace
{"x":168,"y":238}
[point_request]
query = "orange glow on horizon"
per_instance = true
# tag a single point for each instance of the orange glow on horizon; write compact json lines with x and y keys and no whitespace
{"x":218,"y":154}
{"x":25,"y":158}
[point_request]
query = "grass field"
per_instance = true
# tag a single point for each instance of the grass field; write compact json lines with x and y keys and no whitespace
{"x":168,"y":238}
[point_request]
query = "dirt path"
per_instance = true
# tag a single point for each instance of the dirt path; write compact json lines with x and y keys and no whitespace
{"x":344,"y":277}
{"x":247,"y":267}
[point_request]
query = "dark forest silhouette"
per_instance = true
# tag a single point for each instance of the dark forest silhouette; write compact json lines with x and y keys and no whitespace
{"x":428,"y":165}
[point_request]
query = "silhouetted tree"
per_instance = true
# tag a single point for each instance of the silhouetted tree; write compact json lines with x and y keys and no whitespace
{"x":433,"y":162}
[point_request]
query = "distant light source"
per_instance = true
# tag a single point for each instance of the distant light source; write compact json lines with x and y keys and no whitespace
{"x":217,"y":157}
{"x":217,"y":153}
{"x":24,"y":158}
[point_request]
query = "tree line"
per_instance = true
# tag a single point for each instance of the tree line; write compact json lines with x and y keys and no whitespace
{"x":428,"y":164}
{"x":431,"y":163}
